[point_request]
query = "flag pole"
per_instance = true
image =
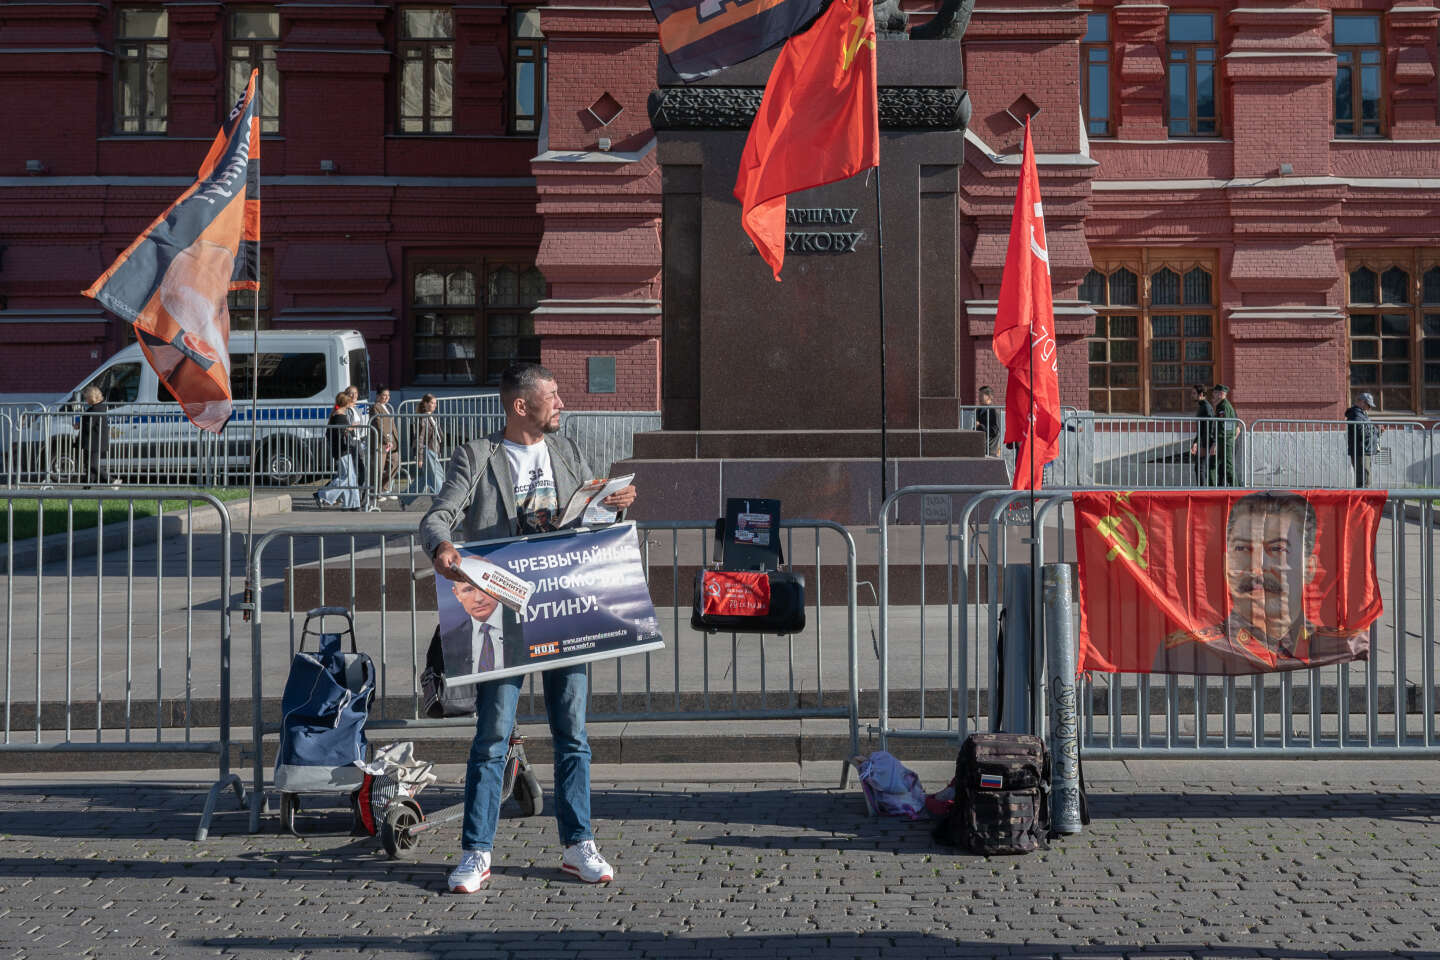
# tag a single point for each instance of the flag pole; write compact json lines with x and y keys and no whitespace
{"x":254,"y":399}
{"x":880,"y":272}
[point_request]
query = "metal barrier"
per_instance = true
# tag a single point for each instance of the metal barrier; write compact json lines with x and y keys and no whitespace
{"x":1315,"y":454}
{"x":1135,"y":453}
{"x":58,"y":583}
{"x":605,"y":437}
{"x":375,"y":570}
{"x":482,"y":405}
{"x":1384,"y":706}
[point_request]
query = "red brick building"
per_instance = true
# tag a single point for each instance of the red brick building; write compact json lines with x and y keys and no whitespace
{"x":1239,"y":193}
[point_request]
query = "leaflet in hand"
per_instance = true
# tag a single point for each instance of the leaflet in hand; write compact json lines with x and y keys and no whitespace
{"x":586,"y":500}
{"x":498,"y":582}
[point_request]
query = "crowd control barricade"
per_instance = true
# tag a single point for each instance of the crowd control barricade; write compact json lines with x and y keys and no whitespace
{"x":377,"y":569}
{"x":1149,"y":453}
{"x":153,"y":445}
{"x":1315,"y":455}
{"x":117,"y":626}
{"x":1383,"y":706}
{"x":483,"y":406}
{"x":606,"y":437}
{"x":942,"y":552}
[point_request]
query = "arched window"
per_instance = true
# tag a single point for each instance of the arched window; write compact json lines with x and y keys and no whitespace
{"x":1153,"y":341}
{"x":1394,"y":329}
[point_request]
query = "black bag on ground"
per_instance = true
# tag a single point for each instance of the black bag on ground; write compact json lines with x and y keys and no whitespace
{"x":1002,"y":785}
{"x":436,"y":699}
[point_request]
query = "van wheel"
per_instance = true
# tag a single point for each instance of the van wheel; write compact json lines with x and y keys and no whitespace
{"x":276,"y":463}
{"x":64,"y":460}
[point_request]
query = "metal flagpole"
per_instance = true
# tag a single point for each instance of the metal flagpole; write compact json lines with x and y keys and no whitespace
{"x":254,"y":393}
{"x":884,"y":419}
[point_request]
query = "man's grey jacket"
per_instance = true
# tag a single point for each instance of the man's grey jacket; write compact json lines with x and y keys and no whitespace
{"x":477,"y":500}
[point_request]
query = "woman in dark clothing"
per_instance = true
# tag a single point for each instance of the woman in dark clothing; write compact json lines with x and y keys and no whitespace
{"x":344,"y":488}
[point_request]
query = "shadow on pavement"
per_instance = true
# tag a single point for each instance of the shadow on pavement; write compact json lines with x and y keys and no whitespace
{"x":630,"y":943}
{"x":804,"y":816}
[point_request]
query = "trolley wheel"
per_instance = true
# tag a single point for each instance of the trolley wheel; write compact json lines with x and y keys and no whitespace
{"x":395,"y":830}
{"x":528,"y":794}
{"x":289,"y":806}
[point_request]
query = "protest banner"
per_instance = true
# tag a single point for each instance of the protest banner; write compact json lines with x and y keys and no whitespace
{"x":587,"y":600}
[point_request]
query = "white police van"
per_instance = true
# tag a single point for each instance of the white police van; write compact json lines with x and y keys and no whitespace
{"x":150,"y":441}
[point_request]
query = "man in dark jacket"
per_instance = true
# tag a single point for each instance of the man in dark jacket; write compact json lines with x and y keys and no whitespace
{"x":94,"y":436}
{"x":1203,"y":449}
{"x":1362,"y":438}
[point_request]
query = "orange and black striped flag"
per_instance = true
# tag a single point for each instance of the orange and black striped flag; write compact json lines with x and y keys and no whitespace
{"x":173,"y":282}
{"x":701,"y":37}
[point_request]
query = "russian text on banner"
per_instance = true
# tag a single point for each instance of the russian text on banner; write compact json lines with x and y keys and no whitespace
{"x":1025,"y":333}
{"x":818,"y":122}
{"x":589,"y":601}
{"x":1226,"y":582}
{"x":701,"y":37}
{"x":173,"y":282}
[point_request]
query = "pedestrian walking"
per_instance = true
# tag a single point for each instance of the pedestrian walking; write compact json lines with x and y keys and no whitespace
{"x":987,"y":421}
{"x":1202,"y":450}
{"x":383,"y":416}
{"x":1362,"y":438}
{"x":1222,"y":464}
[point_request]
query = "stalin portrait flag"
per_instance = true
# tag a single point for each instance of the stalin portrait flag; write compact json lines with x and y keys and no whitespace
{"x":173,"y":281}
{"x":1226,"y":582}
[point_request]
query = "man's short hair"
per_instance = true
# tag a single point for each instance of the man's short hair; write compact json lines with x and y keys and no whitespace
{"x":521,"y":378}
{"x":1270,"y":502}
{"x":92,"y":392}
{"x":985,"y":392}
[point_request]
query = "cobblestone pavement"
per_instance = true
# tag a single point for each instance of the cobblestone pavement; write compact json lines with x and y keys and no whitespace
{"x":1239,"y":859}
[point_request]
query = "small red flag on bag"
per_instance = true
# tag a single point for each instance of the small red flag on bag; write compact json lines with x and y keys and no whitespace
{"x":1025,"y":333}
{"x":818,"y":122}
{"x":173,"y":281}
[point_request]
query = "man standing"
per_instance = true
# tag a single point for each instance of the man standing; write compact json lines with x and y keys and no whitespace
{"x":494,"y":488}
{"x":1362,"y":438}
{"x":987,"y":421}
{"x":1222,"y":465}
{"x":1202,"y":451}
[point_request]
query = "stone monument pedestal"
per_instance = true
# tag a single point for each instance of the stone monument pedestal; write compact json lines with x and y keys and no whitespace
{"x":774,"y":389}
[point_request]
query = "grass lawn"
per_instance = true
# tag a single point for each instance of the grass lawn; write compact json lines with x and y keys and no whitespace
{"x":25,"y":513}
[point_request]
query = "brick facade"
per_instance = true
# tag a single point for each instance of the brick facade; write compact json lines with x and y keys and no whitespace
{"x":1280,"y":205}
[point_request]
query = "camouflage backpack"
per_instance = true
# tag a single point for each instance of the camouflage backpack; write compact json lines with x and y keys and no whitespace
{"x":1002,"y":786}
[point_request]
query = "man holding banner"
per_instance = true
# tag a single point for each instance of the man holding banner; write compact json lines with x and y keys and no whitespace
{"x":504,"y":485}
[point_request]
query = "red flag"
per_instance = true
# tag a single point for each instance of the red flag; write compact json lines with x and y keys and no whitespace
{"x":172,"y":282}
{"x":1226,"y":582}
{"x":819,"y":121}
{"x":1025,"y":333}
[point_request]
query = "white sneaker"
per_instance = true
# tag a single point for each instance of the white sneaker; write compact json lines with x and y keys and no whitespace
{"x":584,"y":861}
{"x":472,"y":873}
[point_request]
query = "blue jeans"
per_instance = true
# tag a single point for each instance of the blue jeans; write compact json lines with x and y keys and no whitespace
{"x":565,"y":691}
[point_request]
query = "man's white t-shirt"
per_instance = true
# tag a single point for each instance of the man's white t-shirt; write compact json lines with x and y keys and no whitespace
{"x":537,"y":506}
